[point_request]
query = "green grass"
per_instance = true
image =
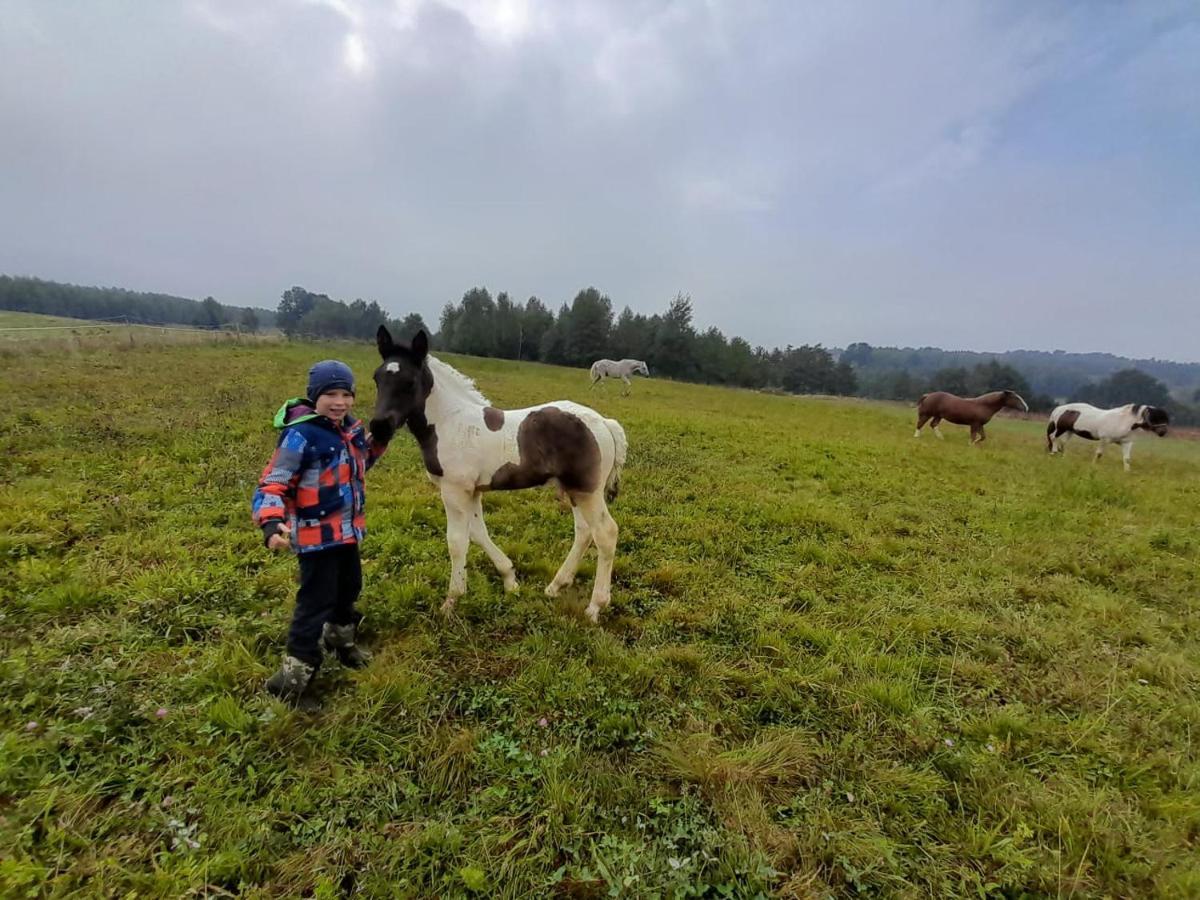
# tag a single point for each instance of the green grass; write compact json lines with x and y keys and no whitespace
{"x":838,"y":661}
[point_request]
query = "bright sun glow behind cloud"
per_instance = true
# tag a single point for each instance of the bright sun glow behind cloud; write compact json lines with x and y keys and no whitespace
{"x":354,"y":54}
{"x":501,"y":21}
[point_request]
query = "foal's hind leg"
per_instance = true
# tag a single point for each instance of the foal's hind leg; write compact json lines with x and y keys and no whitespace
{"x":479,"y":534}
{"x":604,"y":533}
{"x":921,"y":420}
{"x":566,"y":572}
{"x":977,"y":435}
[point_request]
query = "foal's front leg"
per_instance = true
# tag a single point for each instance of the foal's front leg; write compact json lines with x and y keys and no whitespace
{"x":1126,"y":452}
{"x":458,"y":538}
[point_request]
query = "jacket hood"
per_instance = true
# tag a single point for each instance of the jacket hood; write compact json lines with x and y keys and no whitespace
{"x":294,"y":411}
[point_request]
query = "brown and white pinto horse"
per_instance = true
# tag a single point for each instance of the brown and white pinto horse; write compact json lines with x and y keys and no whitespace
{"x":1107,"y":426}
{"x":973,"y":411}
{"x":470,"y":447}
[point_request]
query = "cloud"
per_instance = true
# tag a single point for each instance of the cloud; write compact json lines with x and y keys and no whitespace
{"x":895,"y":173}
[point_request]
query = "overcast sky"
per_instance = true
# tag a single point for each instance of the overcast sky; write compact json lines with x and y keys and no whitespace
{"x":977,"y":176}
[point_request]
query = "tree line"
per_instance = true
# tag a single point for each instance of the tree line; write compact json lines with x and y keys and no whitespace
{"x":889,"y":373}
{"x":1054,"y":373}
{"x":52,"y":298}
{"x":302,"y":313}
{"x":587,"y":329}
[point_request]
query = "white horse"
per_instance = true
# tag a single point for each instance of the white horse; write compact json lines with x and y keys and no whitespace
{"x":470,"y":447}
{"x":1108,"y":426}
{"x":607,"y":368}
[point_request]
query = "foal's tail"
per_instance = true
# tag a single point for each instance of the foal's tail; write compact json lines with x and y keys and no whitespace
{"x":621,"y":447}
{"x":1050,"y":427}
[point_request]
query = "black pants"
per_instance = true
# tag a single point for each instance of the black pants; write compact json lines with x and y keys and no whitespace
{"x":330,"y":581}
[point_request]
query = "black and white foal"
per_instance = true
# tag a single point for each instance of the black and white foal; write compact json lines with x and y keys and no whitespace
{"x":470,"y":447}
{"x":1108,"y":426}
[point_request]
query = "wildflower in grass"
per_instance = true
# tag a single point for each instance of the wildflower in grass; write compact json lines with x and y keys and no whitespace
{"x":543,"y":722}
{"x":161,"y":712}
{"x":31,"y":726}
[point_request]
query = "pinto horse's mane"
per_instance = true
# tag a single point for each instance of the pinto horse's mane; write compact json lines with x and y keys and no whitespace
{"x":455,"y":383}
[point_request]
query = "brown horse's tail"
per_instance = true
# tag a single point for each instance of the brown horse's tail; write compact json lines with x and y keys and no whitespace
{"x":1050,"y":435}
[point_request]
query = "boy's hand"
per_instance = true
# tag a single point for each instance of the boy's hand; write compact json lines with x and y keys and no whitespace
{"x":280,"y":539}
{"x":381,"y":430}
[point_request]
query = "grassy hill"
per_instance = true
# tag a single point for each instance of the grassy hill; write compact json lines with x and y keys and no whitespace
{"x":33,"y":326}
{"x":839,"y":661}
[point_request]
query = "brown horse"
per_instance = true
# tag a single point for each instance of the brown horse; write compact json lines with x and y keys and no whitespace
{"x":973,"y":411}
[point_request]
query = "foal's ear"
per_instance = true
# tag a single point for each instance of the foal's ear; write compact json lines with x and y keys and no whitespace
{"x":420,"y":345}
{"x":383,"y":340}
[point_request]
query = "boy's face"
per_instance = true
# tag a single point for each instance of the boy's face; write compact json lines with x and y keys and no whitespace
{"x":335,"y":404}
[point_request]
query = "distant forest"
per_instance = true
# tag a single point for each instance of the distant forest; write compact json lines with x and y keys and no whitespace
{"x":1056,"y":373}
{"x":588,"y":328}
{"x":52,"y":298}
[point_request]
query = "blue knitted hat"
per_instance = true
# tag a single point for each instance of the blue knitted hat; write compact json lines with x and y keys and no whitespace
{"x":329,"y":375}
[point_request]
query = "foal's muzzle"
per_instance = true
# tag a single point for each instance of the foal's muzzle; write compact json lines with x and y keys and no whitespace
{"x":382,"y":429}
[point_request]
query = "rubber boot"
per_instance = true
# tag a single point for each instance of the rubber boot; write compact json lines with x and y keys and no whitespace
{"x":339,"y":639}
{"x":290,"y":683}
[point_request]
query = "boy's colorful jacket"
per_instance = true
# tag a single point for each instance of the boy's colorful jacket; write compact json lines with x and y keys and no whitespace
{"x":314,"y":481}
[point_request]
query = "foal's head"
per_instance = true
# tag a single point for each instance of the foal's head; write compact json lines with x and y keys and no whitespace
{"x":641,"y":369}
{"x":1153,"y":419}
{"x":402,"y":383}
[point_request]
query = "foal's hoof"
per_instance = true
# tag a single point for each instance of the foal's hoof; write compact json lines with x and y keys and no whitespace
{"x":593,"y":613}
{"x":448,"y":606}
{"x":553,"y":588}
{"x":510,"y":584}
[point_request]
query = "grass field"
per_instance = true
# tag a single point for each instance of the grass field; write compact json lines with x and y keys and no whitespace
{"x":23,"y":334}
{"x":23,"y":326}
{"x":838,"y":661}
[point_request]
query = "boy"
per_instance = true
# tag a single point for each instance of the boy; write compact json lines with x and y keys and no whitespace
{"x":310,"y":500}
